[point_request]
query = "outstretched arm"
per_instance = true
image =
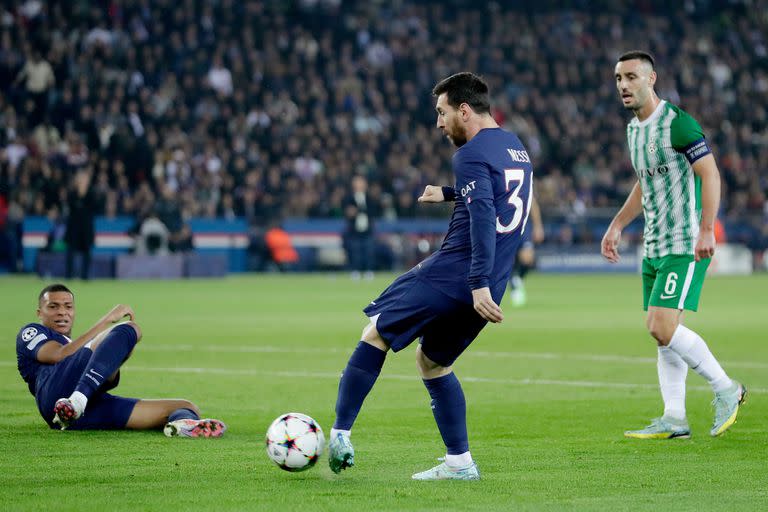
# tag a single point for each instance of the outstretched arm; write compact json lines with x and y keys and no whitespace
{"x":52,"y":352}
{"x":633,"y":207}
{"x":435,"y":194}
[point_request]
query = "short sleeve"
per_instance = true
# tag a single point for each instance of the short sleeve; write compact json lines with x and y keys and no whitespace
{"x":685,"y":130}
{"x":688,"y":137}
{"x":30,"y":338}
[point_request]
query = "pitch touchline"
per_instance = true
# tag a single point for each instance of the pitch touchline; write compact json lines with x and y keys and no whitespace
{"x":266,"y":349}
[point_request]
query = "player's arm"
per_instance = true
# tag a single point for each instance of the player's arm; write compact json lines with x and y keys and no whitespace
{"x":633,"y":206}
{"x":53,"y":352}
{"x":688,"y":139}
{"x":435,"y":194}
{"x":706,"y":169}
{"x":538,"y":225}
{"x":473,"y":179}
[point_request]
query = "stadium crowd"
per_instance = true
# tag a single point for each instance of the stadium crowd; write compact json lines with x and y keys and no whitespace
{"x":267,"y":109}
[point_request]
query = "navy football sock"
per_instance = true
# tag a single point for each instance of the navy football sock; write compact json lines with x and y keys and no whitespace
{"x":107,"y":358}
{"x":523,"y":270}
{"x":356,"y":382}
{"x":450,"y":411}
{"x":183,"y":414}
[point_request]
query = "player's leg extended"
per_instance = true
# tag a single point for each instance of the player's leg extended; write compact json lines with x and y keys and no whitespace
{"x":729,"y":394}
{"x":179,"y":418}
{"x":683,"y":281}
{"x":672,"y":372}
{"x":450,"y":410}
{"x":678,"y":286}
{"x":356,"y":382}
{"x":524,"y":262}
{"x":107,"y":358}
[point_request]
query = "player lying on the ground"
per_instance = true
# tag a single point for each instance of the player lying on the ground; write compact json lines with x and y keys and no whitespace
{"x":70,"y":379}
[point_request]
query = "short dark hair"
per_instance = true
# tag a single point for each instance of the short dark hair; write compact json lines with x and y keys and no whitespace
{"x":465,"y":87}
{"x":640,"y":55}
{"x":56,"y":287}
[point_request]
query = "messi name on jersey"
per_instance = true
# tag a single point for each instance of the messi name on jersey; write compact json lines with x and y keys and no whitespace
{"x":519,"y":155}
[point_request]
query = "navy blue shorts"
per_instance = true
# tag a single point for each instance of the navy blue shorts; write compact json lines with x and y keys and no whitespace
{"x":104,"y":411}
{"x":410,"y":308}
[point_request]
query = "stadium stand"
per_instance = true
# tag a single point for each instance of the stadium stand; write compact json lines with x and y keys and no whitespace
{"x":264,"y":110}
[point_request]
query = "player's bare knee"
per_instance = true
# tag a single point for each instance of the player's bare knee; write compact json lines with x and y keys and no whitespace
{"x":136,"y":328}
{"x":186,"y":404}
{"x":660,"y":328}
{"x":662,"y":323}
{"x":371,"y":336}
{"x":429,"y":369}
{"x":526,"y":256}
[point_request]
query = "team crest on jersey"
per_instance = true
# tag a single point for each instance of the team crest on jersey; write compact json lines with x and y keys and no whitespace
{"x":651,"y":147}
{"x":28,"y":333}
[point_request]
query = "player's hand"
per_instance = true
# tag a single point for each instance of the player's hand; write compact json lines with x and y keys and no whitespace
{"x":432,"y":194}
{"x":609,"y":247}
{"x":705,"y":245}
{"x":118,"y":313}
{"x":485,"y":307}
{"x":538,"y":234}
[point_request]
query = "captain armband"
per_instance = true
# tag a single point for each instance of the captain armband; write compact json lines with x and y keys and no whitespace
{"x":696,"y":150}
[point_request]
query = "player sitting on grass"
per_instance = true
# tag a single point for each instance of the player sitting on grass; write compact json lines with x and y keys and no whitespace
{"x":83,"y":370}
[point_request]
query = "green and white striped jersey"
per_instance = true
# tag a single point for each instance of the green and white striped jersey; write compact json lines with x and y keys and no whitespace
{"x":671,"y":191}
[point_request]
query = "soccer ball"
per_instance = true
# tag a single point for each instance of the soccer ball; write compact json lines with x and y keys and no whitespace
{"x":295,"y":441}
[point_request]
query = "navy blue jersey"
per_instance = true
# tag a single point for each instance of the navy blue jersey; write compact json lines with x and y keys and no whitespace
{"x":29,"y":340}
{"x":493,"y":198}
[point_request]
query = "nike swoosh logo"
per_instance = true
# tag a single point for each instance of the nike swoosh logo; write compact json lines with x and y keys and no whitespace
{"x":665,"y":297}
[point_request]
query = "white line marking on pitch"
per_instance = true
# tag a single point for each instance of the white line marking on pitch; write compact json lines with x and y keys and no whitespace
{"x":239,"y":372}
{"x":266,"y":349}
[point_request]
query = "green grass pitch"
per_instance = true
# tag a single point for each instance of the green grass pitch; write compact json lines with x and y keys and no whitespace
{"x":549,"y":393}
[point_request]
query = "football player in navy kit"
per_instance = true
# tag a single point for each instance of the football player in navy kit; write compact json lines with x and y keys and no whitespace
{"x":70,"y":378}
{"x":447,"y":299}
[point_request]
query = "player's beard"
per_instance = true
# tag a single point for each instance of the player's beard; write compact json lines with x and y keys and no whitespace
{"x":636,"y":104}
{"x":457,"y":135}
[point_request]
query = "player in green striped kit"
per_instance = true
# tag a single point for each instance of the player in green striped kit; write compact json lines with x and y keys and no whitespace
{"x":678,"y":192}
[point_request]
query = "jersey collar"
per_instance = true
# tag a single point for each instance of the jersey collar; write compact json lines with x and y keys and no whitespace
{"x":656,"y":113}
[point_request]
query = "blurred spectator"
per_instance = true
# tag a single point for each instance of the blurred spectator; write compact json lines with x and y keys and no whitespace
{"x":182,"y":240}
{"x":168,"y":211}
{"x":150,"y":237}
{"x":360,"y":211}
{"x":80,"y":231}
{"x":219,"y":78}
{"x":720,"y":234}
{"x":37,"y":75}
{"x":280,"y":248}
{"x":56,"y":239}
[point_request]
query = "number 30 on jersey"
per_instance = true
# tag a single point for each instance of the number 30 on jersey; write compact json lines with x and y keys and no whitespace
{"x":520,"y":215}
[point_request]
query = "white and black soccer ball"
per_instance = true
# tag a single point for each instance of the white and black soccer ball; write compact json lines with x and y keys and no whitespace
{"x":295,"y":441}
